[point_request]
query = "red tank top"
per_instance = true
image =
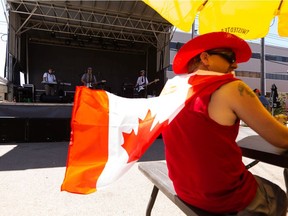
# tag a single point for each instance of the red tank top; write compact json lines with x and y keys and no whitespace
{"x":203,"y":159}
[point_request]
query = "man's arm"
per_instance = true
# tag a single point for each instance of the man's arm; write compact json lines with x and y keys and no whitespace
{"x":237,"y":100}
{"x":83,"y":79}
{"x":137,"y":83}
{"x":94,"y":78}
{"x":45,"y":77}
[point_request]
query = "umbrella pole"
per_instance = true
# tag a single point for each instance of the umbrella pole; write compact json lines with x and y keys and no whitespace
{"x":193,"y":30}
{"x":263,"y":90}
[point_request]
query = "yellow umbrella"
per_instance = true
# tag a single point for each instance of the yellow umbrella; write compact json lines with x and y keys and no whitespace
{"x":248,"y":19}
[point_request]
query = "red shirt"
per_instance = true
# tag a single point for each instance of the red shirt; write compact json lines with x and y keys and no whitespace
{"x":203,"y":159}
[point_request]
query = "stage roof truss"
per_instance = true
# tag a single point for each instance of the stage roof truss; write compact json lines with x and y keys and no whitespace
{"x":130,"y":21}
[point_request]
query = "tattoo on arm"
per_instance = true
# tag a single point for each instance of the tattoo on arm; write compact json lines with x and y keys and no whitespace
{"x":243,"y":89}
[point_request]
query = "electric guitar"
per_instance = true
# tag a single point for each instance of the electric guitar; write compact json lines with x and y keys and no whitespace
{"x":141,"y":87}
{"x":92,"y":85}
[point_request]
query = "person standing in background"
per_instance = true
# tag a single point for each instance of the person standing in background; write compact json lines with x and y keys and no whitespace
{"x":89,"y":79}
{"x":49,"y":80}
{"x":262,"y":98}
{"x":141,"y":84}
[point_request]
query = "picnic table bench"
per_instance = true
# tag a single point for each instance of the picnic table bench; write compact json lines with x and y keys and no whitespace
{"x":157,"y":173}
{"x":261,"y":150}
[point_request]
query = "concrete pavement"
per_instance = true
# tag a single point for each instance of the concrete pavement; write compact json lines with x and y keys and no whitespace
{"x":31,"y":175}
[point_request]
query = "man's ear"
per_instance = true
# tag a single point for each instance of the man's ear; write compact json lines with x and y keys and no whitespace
{"x":204,"y":58}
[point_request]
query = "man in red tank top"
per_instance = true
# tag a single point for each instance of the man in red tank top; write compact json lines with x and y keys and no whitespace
{"x":203,"y":159}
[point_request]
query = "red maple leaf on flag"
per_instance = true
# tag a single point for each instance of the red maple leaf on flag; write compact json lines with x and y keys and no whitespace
{"x":137,"y":144}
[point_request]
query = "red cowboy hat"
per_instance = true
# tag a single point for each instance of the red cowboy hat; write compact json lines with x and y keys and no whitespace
{"x":210,"y":41}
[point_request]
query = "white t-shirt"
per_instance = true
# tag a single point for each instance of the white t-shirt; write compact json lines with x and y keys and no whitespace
{"x":49,"y":77}
{"x":142,"y":81}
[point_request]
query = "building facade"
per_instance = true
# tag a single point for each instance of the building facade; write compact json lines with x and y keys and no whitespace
{"x":275,"y":65}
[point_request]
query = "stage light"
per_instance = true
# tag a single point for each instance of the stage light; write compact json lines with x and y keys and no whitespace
{"x":53,"y":34}
{"x":75,"y":37}
{"x":81,"y":44}
{"x":67,"y":42}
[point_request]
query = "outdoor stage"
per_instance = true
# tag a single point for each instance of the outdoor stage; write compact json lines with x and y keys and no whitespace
{"x":34,"y":122}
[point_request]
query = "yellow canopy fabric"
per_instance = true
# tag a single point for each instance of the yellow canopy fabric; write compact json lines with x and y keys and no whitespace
{"x":283,"y":20}
{"x":248,"y":19}
{"x":180,"y":13}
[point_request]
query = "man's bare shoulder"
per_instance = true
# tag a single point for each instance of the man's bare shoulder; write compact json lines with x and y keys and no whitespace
{"x":237,"y":88}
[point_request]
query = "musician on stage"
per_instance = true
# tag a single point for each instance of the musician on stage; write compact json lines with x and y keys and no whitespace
{"x":49,"y":80}
{"x":89,"y":79}
{"x":141,"y":84}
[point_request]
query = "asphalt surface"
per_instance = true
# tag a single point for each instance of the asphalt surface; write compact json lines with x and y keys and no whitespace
{"x":31,"y":175}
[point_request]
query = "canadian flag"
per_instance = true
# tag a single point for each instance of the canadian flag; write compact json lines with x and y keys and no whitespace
{"x":110,"y":133}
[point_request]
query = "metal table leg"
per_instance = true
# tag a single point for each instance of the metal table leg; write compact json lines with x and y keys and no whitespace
{"x":152,"y":200}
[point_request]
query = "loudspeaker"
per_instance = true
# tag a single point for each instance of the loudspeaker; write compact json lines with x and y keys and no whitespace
{"x":66,"y":99}
{"x":46,"y":130}
{"x":25,"y":94}
{"x":128,"y":90}
{"x":55,"y":99}
{"x":50,"y":99}
{"x":12,"y":130}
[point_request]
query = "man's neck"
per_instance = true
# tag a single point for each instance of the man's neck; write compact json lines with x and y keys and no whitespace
{"x":205,"y":72}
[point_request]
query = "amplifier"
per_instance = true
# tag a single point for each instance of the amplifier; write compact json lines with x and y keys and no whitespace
{"x":55,"y":99}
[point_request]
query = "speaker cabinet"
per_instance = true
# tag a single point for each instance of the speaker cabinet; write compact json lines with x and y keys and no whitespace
{"x":55,"y":99}
{"x":128,"y":90}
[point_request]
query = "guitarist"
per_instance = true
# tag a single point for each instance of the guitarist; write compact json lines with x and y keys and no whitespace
{"x":89,"y":79}
{"x":141,"y":84}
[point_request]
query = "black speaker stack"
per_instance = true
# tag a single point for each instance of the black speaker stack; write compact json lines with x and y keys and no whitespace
{"x":55,"y":99}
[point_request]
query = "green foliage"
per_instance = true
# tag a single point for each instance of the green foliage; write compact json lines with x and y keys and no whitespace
{"x":282,"y":97}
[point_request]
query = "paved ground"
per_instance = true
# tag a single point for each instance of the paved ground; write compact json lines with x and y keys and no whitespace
{"x":31,"y":175}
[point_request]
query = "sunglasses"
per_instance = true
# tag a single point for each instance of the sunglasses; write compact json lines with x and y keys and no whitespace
{"x":228,"y":56}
